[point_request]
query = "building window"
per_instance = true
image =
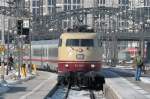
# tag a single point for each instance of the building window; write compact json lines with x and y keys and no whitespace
{"x":38,"y":11}
{"x":101,"y":1}
{"x":34,"y":3}
{"x":65,"y":7}
{"x":147,"y":2}
{"x":38,"y":3}
{"x":34,"y":11}
{"x":74,"y":1}
{"x":74,"y":7}
{"x":51,"y":2}
{"x":97,"y":1}
{"x":49,"y":9}
{"x":65,"y":1}
{"x":69,"y":7}
{"x":123,"y":1}
{"x":78,"y":1}
{"x":69,"y":1}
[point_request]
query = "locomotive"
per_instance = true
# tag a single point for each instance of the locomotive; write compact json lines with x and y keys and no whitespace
{"x":76,"y":57}
{"x":79,"y":59}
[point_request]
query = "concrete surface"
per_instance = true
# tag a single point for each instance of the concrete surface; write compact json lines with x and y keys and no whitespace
{"x":36,"y":88}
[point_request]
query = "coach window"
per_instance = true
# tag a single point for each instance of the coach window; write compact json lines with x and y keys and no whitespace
{"x":37,"y":52}
{"x":72,"y":42}
{"x":60,"y":42}
{"x":87,"y":42}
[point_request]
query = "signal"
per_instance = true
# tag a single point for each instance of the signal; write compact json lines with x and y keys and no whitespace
{"x":23,"y":27}
{"x":19,"y":27}
{"x":26,"y":26}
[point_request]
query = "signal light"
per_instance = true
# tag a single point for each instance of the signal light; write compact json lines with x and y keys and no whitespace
{"x":25,"y":31}
{"x":19,"y":26}
{"x":23,"y":27}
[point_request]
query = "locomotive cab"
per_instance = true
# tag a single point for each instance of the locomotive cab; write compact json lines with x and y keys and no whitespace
{"x":79,"y":56}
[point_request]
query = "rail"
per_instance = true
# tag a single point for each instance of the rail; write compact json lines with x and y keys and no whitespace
{"x":92,"y":96}
{"x":68,"y":90}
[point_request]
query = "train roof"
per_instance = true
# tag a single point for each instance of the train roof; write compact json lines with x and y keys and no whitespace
{"x":78,"y":35}
{"x":56,"y":41}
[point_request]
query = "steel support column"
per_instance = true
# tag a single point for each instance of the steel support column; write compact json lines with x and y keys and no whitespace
{"x":148,"y":52}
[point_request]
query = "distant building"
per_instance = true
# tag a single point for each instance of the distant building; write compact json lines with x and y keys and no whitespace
{"x":35,"y":4}
{"x":70,"y":5}
{"x":51,"y":6}
{"x":48,"y":7}
{"x":3,"y":19}
{"x":147,"y":2}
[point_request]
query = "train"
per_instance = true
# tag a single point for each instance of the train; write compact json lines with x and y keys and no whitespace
{"x":76,"y":57}
{"x":80,"y":59}
{"x":127,"y":55}
{"x":133,"y":51}
{"x":44,"y":54}
{"x":124,"y":57}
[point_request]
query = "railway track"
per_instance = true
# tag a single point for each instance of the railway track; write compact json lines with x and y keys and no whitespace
{"x":92,"y":96}
{"x":68,"y":92}
{"x":68,"y":89}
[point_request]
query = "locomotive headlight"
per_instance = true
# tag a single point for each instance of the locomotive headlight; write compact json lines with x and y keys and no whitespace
{"x":92,"y":65}
{"x":66,"y":65}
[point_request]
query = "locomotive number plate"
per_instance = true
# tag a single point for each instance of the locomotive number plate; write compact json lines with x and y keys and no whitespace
{"x":80,"y":56}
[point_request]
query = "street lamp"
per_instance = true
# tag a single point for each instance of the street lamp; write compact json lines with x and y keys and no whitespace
{"x":8,"y":50}
{"x":30,"y":39}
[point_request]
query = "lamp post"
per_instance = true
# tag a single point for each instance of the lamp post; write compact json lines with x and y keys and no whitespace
{"x":2,"y":53}
{"x":142,"y":46}
{"x":30,"y":39}
{"x":8,"y":50}
{"x":2,"y":43}
{"x":141,"y":23}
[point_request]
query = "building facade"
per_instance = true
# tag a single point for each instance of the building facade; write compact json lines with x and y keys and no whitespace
{"x":48,"y":7}
{"x":147,"y":3}
{"x":3,"y":20}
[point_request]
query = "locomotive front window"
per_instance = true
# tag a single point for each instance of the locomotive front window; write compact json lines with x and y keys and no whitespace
{"x":72,"y":42}
{"x":80,"y":42}
{"x":87,"y":42}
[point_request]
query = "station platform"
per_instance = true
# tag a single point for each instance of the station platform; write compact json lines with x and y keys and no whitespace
{"x":121,"y":84}
{"x":36,"y":88}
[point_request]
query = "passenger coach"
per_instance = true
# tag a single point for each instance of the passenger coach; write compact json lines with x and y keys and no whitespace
{"x":44,"y":54}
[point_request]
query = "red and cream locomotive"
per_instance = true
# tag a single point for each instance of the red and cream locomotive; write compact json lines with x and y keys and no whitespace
{"x":79,"y":59}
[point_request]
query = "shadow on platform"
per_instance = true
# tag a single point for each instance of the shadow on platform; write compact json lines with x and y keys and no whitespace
{"x":12,"y":89}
